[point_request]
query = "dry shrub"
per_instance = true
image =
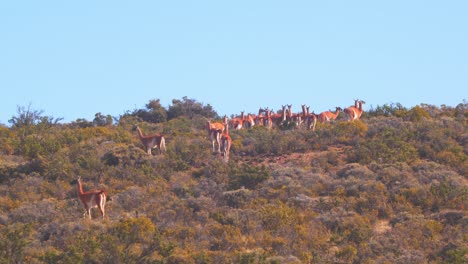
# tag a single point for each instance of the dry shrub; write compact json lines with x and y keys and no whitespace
{"x":237,"y":198}
{"x":357,"y":171}
{"x":43,"y":211}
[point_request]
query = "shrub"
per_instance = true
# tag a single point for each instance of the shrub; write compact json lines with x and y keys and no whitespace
{"x":14,"y":240}
{"x":247,"y":176}
{"x":389,"y":141}
{"x":190,"y":107}
{"x":102,"y":120}
{"x":416,"y":114}
{"x":154,"y":112}
{"x":237,"y":198}
{"x":454,"y":254}
{"x":38,"y":212}
{"x":251,"y":257}
{"x":346,"y":132}
{"x":277,"y":215}
{"x":357,"y":171}
{"x":6,"y":141}
{"x":447,"y":194}
{"x":181,"y":126}
{"x":347,"y":254}
{"x":393,"y":109}
{"x":134,"y":230}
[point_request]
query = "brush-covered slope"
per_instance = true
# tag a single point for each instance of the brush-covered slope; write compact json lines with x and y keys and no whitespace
{"x":391,"y":188}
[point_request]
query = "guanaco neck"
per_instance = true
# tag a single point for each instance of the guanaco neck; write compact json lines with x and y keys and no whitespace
{"x":337,"y":111}
{"x":226,"y":129}
{"x":80,"y":188}
{"x":140,"y":134}
{"x":283,"y":113}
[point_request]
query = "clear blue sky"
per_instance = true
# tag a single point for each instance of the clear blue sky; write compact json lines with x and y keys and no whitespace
{"x":74,"y":59}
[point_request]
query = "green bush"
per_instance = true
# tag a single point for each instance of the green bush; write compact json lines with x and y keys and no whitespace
{"x":247,"y":176}
{"x":388,"y":141}
{"x":277,"y":215}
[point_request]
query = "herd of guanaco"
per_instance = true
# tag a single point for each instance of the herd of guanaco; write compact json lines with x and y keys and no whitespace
{"x":219,"y":135}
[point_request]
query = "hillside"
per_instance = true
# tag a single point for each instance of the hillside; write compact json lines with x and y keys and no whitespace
{"x":391,"y":188}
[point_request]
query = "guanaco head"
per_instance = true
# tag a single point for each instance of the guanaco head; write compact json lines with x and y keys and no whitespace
{"x":75,"y":181}
{"x":356,"y":101}
{"x":208,"y":124}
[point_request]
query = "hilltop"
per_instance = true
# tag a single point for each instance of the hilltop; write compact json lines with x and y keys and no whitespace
{"x":390,"y":188}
